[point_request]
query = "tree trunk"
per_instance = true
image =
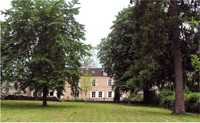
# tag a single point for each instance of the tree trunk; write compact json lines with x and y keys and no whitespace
{"x":45,"y":95}
{"x":179,"y":93}
{"x":117,"y":95}
{"x":146,"y":96}
{"x":58,"y":94}
{"x":35,"y":93}
{"x":85,"y":96}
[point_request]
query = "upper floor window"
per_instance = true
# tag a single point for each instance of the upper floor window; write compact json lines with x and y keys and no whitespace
{"x":109,"y":82}
{"x":93,"y":82}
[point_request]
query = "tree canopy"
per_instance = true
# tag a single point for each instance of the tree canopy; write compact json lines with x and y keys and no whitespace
{"x":139,"y":52}
{"x":41,"y":43}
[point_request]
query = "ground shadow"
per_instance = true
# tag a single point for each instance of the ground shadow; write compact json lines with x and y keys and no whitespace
{"x":34,"y":105}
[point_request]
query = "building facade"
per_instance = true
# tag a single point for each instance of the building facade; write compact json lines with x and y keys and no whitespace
{"x":101,"y":86}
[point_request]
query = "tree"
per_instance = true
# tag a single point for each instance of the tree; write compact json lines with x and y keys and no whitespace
{"x":176,"y":8}
{"x":142,"y":36}
{"x":85,"y":84}
{"x":88,"y":61}
{"x":41,"y":43}
{"x":116,"y":47}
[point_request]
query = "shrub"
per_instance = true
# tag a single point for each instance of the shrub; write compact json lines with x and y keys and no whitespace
{"x":136,"y":98}
{"x":192,"y":100}
{"x":168,"y":101}
{"x":166,"y":98}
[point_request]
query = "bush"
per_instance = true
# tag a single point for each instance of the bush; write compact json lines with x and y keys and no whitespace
{"x":168,"y":101}
{"x":136,"y":98}
{"x":192,"y":101}
{"x":164,"y":93}
{"x":166,"y":98}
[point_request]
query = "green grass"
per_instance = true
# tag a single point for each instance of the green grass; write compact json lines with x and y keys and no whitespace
{"x":32,"y":111}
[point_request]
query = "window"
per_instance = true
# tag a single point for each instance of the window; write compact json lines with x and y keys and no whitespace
{"x":109,"y":94}
{"x":109,"y":82}
{"x":93,"y":94}
{"x":93,"y":82}
{"x":51,"y":93}
{"x":77,"y":94}
{"x":100,"y":94}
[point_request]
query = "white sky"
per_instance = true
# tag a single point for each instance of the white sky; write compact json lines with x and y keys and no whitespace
{"x":96,"y":15}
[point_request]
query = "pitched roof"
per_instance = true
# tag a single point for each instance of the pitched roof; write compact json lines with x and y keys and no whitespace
{"x":93,"y":71}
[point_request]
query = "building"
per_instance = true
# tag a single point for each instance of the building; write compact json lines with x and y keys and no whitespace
{"x":101,"y":86}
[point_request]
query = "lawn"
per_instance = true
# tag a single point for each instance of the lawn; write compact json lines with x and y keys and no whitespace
{"x":32,"y":111}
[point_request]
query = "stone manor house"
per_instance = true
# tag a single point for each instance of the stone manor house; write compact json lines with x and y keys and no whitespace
{"x":101,"y":86}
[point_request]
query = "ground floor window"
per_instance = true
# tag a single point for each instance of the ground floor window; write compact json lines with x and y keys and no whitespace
{"x":109,"y":94}
{"x":100,"y":94}
{"x":77,"y":94}
{"x":93,"y":94}
{"x":51,"y":93}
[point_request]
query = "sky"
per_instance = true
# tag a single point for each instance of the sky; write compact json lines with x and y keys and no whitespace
{"x":96,"y":15}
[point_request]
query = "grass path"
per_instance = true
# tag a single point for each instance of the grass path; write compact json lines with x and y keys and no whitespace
{"x":32,"y":111}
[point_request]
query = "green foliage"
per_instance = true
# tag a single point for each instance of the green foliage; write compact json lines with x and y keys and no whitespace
{"x":85,"y":84}
{"x":193,"y":97}
{"x":192,"y":100}
{"x":142,"y":36}
{"x":195,"y":62}
{"x":168,"y":102}
{"x":167,"y":98}
{"x":136,"y":98}
{"x":165,"y":92}
{"x":41,"y":43}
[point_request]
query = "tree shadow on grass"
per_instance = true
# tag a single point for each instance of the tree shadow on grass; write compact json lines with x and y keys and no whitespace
{"x":36,"y":105}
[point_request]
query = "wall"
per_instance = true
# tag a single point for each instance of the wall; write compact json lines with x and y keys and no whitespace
{"x":101,"y":86}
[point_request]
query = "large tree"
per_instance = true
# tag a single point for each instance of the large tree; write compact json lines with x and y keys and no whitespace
{"x":41,"y":43}
{"x":178,"y":12}
{"x":139,"y":50}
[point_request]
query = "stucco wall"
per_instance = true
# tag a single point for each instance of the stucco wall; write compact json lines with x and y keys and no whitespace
{"x":101,"y":86}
